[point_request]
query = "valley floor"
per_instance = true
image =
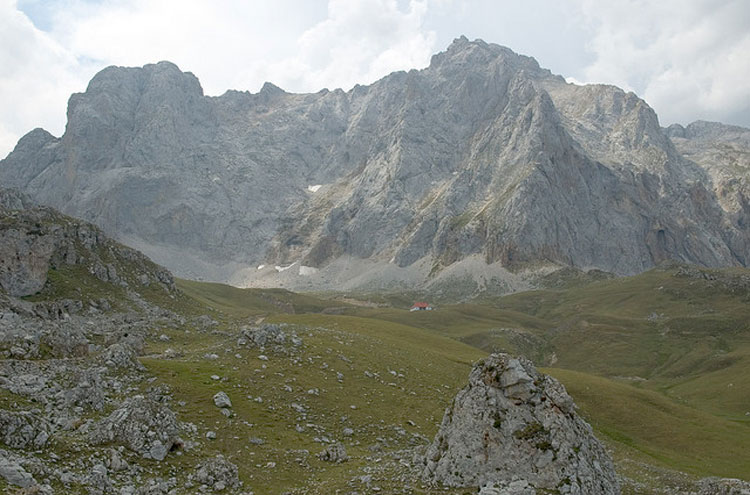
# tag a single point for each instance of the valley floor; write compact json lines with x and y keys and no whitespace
{"x":656,"y":363}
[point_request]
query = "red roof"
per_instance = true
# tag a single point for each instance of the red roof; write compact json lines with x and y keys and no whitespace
{"x":421,"y":305}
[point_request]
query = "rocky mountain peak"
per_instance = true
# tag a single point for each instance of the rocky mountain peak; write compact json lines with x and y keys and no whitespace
{"x":480,"y":57}
{"x":483,"y":155}
{"x":271,"y":89}
{"x":34,"y":140}
{"x":124,"y":92}
{"x":709,"y":131}
{"x":163,"y":75}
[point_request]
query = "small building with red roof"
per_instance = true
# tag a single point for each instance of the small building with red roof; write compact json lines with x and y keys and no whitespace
{"x":421,"y":306}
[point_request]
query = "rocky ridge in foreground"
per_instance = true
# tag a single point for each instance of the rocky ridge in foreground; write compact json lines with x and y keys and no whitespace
{"x":78,"y":413}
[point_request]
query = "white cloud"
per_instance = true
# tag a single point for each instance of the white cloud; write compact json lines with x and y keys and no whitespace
{"x":37,"y":76}
{"x":299,"y":45}
{"x":686,"y":58}
{"x":689,"y":60}
{"x":359,"y":42}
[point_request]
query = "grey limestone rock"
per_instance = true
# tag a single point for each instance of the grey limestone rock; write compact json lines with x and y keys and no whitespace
{"x":221,"y":400}
{"x":35,"y":240}
{"x":516,"y":487}
{"x":98,"y":481}
{"x":23,"y":430}
{"x":141,"y":424}
{"x":481,"y":154}
{"x":156,"y":486}
{"x":723,"y":486}
{"x":265,"y":334}
{"x":218,"y":473}
{"x":65,"y":341}
{"x":279,"y":338}
{"x":335,"y":453}
{"x":121,"y":355}
{"x":13,"y":473}
{"x":512,"y":426}
{"x":13,"y":199}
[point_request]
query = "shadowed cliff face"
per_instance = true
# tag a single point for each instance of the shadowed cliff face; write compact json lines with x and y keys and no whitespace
{"x":483,"y":153}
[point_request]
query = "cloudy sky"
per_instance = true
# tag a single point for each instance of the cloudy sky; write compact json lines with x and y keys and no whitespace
{"x":689,"y":59}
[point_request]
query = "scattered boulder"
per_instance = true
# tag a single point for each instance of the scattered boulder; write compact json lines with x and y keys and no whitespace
{"x":66,"y":341}
{"x":23,"y":430}
{"x":221,"y":400}
{"x":121,"y":356}
{"x":141,"y":424}
{"x":156,"y":486}
{"x":217,"y":473}
{"x":205,"y":322}
{"x":98,"y":481}
{"x":269,"y":334}
{"x":334,"y":453}
{"x":13,"y":473}
{"x":723,"y":486}
{"x":88,"y":392}
{"x":511,"y":423}
{"x":116,"y":462}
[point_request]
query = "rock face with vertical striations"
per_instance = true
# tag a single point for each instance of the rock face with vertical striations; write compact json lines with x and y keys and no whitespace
{"x":481,"y":166}
{"x":513,"y":425}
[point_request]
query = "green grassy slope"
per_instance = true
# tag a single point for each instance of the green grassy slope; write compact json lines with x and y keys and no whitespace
{"x":660,"y":430}
{"x":657,"y":364}
{"x":251,"y":302}
{"x":396,"y":382}
{"x":687,"y":335}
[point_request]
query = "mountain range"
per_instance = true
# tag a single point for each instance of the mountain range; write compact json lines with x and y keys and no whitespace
{"x":482,"y":170}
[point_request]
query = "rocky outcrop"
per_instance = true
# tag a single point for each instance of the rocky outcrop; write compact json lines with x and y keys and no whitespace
{"x":13,"y":472}
{"x":482,"y":155}
{"x":218,"y":474}
{"x":335,"y":453}
{"x":723,"y":486}
{"x":12,"y":199}
{"x":22,"y":430}
{"x":123,"y":356}
{"x":35,"y":240}
{"x":724,"y":152}
{"x":141,"y":424}
{"x":513,"y":424}
{"x":271,"y":336}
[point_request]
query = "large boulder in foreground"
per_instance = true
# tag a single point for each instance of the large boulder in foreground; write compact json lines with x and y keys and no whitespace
{"x":513,"y":423}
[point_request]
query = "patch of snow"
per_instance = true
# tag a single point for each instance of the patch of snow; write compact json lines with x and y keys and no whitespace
{"x":307,"y":270}
{"x":215,"y":178}
{"x":260,"y":267}
{"x":314,"y":188}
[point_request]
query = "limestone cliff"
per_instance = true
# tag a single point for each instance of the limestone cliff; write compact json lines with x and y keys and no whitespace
{"x":481,"y":165}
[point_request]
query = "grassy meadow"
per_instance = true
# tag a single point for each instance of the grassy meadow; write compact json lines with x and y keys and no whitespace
{"x":657,"y":363}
